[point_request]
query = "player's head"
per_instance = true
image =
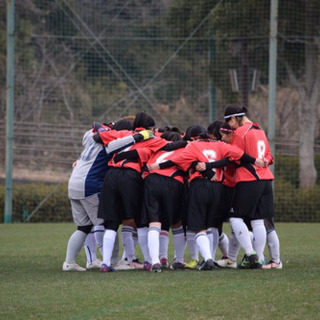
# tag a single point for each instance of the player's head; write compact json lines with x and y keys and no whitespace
{"x":199,"y":132}
{"x":142,"y":120}
{"x":234,"y":115}
{"x":187,"y":136}
{"x":123,"y":124}
{"x":214,"y":130}
{"x":226,"y":133}
{"x":171,"y":135}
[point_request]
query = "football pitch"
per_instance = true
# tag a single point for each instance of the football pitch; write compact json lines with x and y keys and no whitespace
{"x":33,"y":286}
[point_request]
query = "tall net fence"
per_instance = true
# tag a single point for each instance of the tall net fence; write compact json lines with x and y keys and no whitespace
{"x":182,"y":62}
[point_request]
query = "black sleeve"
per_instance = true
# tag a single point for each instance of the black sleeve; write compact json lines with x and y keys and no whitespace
{"x":208,"y":174}
{"x":218,"y":164}
{"x":96,"y":138}
{"x":247,"y":159}
{"x":166,"y":164}
{"x":132,"y":154}
{"x":174,"y":145}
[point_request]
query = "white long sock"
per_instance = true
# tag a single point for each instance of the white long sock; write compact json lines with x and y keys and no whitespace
{"x":135,"y":238}
{"x":203,"y":244}
{"x":234,"y":247}
{"x":75,"y":244}
{"x":164,"y":244}
{"x":193,"y":248}
{"x":273,"y":246}
{"x":242,"y":234}
{"x":127,"y":241}
{"x":108,"y":244}
{"x":115,"y":251}
{"x":153,"y":244}
{"x":215,"y":241}
{"x":98,"y":232}
{"x":224,"y":244}
{"x":210,"y":237}
{"x":179,"y":243}
{"x":259,"y":237}
{"x":90,"y":247}
{"x":143,"y":242}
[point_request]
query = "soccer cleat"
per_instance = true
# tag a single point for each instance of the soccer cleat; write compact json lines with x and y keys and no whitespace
{"x":72,"y":267}
{"x":177,"y":265}
{"x":105,"y":268}
{"x":123,"y":265}
{"x":272,"y":265}
{"x":207,"y":265}
{"x":192,"y":264}
{"x":147,"y":266}
{"x":137,"y":264}
{"x":226,"y":263}
{"x":156,"y":267}
{"x":250,"y":262}
{"x":164,"y":263}
{"x":95,"y":264}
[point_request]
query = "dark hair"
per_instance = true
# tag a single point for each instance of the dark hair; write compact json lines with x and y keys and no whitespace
{"x":167,"y":128}
{"x":226,"y":128}
{"x":187,"y":136}
{"x":171,"y":135}
{"x":214,"y":129}
{"x":235,"y":110}
{"x":123,"y":124}
{"x":199,"y":131}
{"x":142,"y":120}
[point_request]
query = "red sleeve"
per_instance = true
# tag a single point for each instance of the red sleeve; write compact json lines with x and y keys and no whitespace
{"x":110,"y":135}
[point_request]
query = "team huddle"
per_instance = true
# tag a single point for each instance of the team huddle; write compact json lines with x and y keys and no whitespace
{"x":150,"y":180}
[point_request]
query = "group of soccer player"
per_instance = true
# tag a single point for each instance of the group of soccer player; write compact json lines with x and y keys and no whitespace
{"x":151,"y":180}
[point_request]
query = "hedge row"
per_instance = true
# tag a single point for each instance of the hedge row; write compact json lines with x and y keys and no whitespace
{"x":26,"y":200}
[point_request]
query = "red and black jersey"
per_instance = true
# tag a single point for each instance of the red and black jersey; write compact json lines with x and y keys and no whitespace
{"x":162,"y":156}
{"x":205,"y":151}
{"x":107,"y":135}
{"x":229,"y":175}
{"x":252,"y":139}
{"x":144,"y":149}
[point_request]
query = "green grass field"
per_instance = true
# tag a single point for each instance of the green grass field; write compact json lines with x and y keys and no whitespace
{"x":34,"y":287}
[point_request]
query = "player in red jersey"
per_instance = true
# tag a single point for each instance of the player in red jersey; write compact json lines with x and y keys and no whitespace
{"x":253,"y":198}
{"x":164,"y":195}
{"x":234,"y":246}
{"x":204,"y":194}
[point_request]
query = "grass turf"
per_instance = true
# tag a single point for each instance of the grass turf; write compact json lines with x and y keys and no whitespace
{"x":34,"y":287}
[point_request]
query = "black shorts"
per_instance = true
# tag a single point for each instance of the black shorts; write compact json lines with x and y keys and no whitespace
{"x":203,"y":204}
{"x":163,"y":200}
{"x":225,"y":206}
{"x":121,"y":196}
{"x":253,"y":200}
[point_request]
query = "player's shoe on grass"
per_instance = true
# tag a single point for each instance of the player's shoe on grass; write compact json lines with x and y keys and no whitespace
{"x":95,"y":264}
{"x":147,"y":266}
{"x":178,"y":265}
{"x":272,"y":265}
{"x":123,"y":265}
{"x":207,"y":265}
{"x":192,"y":264}
{"x":226,"y":263}
{"x":164,"y":263}
{"x":72,"y":267}
{"x":105,"y":268}
{"x":250,"y":262}
{"x":136,"y":264}
{"x":156,"y":267}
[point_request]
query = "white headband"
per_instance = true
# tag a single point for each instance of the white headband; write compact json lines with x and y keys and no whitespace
{"x":235,"y":115}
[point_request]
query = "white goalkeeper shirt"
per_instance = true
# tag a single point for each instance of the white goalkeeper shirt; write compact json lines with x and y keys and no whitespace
{"x":88,"y":175}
